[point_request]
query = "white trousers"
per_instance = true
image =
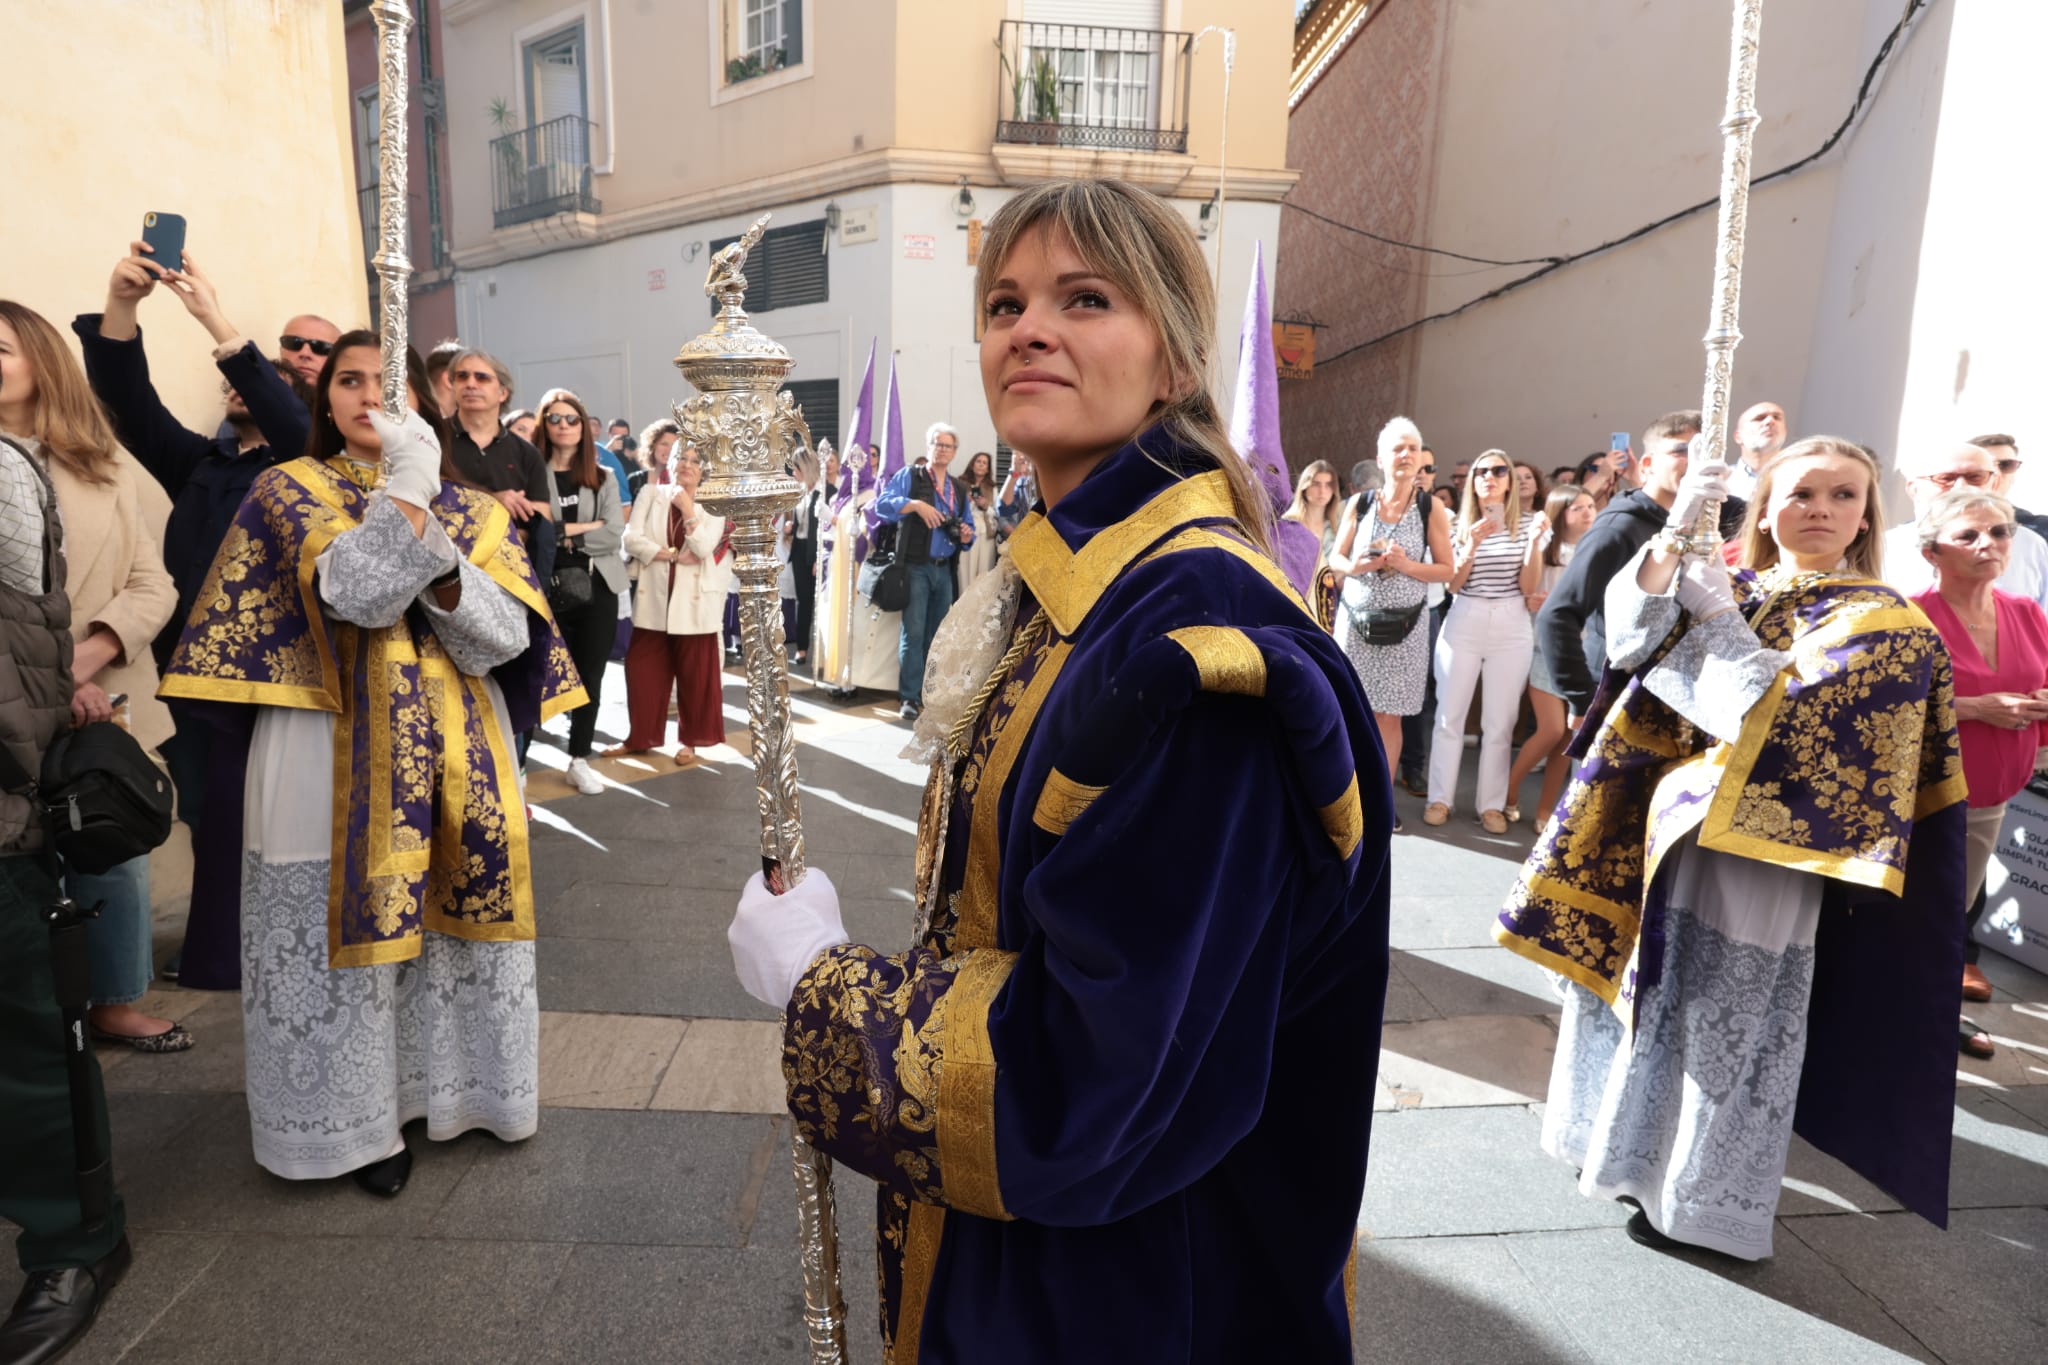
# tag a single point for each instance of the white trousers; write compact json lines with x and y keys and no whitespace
{"x":1486,"y":643}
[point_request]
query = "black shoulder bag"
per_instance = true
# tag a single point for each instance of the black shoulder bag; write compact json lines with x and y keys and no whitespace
{"x":885,"y":576}
{"x":1382,"y":626}
{"x":101,"y":799}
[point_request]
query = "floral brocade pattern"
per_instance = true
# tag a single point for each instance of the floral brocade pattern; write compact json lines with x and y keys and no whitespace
{"x":863,"y":1054}
{"x":1853,"y":742}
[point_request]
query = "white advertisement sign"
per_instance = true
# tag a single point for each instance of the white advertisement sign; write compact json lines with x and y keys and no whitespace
{"x":2015,"y":919}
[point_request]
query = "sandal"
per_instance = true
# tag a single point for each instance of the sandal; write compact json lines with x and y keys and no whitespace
{"x":622,"y":751}
{"x":1975,"y":1042}
{"x":172,"y":1039}
{"x":685,"y":756}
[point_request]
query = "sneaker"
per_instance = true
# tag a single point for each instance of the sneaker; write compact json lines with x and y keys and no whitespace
{"x":582,"y":779}
{"x":907,"y":711}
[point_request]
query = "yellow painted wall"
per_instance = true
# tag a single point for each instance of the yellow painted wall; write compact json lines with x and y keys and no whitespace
{"x":1258,"y":82}
{"x":233,"y":113}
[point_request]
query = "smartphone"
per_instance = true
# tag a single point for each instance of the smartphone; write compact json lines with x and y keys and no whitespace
{"x":164,"y":234}
{"x":1618,"y":441}
{"x":118,"y":700}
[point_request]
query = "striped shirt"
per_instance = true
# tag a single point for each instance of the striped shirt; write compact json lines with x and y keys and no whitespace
{"x":1497,"y":565}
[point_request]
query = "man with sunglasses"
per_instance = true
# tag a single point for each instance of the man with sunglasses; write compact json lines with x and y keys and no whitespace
{"x":305,"y":344}
{"x":1927,"y":478}
{"x":2004,"y":451}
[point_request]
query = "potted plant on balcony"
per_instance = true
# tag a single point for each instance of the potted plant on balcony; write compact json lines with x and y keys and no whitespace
{"x":1036,"y":90}
{"x":507,"y":148}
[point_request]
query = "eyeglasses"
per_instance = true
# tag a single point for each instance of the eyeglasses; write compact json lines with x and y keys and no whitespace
{"x":564,"y":419}
{"x":1967,"y":536}
{"x":1975,"y":478}
{"x":288,"y":342}
{"x":2008,"y":467}
{"x":1490,"y":471}
{"x":474,"y":376}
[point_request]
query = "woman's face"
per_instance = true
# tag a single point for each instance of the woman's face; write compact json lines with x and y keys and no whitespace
{"x":1972,"y":547}
{"x":355,"y":389}
{"x":689,"y":469}
{"x":1447,"y":498}
{"x":1578,"y":517}
{"x":1525,"y":484}
{"x":664,"y":442}
{"x":565,"y":426}
{"x":1321,"y":490}
{"x":17,"y":371}
{"x":1815,"y":508}
{"x":978,"y":469}
{"x":523,"y":426}
{"x":1070,"y":367}
{"x":832,"y":470}
{"x":1400,"y":459}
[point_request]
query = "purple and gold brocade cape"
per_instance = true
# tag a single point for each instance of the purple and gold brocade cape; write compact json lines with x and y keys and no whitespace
{"x":1849,"y":767}
{"x":429,"y":825}
{"x":1852,"y":744}
{"x":1117,"y":1098}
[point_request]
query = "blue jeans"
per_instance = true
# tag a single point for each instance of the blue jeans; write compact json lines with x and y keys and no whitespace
{"x":120,"y":938}
{"x":931,"y":597}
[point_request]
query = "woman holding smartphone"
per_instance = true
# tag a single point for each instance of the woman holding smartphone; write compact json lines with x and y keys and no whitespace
{"x":1487,"y":640}
{"x":593,"y":525}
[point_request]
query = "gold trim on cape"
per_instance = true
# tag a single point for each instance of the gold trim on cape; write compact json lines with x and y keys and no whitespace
{"x":1061,"y":801}
{"x":921,"y":1237}
{"x":1068,"y":583}
{"x":1344,"y":820}
{"x":1225,"y":657}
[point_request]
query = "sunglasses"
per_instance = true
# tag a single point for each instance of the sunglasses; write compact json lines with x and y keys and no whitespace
{"x":1976,"y":478}
{"x":1428,"y":469}
{"x":564,"y":419}
{"x":1490,"y":471}
{"x":475,"y":376}
{"x":2008,"y":466}
{"x":2001,"y":533}
{"x":288,"y":342}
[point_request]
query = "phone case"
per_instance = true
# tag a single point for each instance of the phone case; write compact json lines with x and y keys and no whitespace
{"x":165,"y":235}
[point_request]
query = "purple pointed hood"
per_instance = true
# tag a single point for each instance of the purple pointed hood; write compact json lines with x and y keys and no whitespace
{"x":859,"y":430}
{"x":1255,"y":430}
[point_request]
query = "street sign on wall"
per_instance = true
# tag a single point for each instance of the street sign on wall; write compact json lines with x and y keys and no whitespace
{"x":1294,"y":349}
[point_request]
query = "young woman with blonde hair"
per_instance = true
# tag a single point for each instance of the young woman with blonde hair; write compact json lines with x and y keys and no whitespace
{"x":1487,"y":639}
{"x":1316,"y":504}
{"x":1137,"y":652}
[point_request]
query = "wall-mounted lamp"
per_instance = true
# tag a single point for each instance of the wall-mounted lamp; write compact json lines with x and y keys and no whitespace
{"x":963,"y":202}
{"x":832,"y":215}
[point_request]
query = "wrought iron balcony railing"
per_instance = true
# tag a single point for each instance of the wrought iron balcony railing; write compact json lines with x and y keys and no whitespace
{"x":1074,"y":85}
{"x":541,"y":171}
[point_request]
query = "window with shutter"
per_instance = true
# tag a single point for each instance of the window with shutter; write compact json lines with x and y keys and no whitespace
{"x":819,"y":399}
{"x":789,"y":267}
{"x":554,"y":76}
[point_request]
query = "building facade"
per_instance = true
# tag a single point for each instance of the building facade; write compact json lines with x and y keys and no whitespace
{"x":1513,"y":135}
{"x":431,"y":300}
{"x":603,"y":151}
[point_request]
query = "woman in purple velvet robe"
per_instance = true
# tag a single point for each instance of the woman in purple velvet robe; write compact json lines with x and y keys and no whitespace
{"x":1117,"y":1093}
{"x":1753,"y":884}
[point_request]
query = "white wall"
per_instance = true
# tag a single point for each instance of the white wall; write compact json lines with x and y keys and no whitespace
{"x":586,"y":319}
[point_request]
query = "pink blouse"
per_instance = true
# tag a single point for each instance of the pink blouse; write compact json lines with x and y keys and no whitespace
{"x":1996,"y":762}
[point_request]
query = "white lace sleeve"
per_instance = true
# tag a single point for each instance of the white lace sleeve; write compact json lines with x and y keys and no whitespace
{"x":370,"y":575}
{"x":486,"y":629}
{"x":1712,"y":676}
{"x":969,"y":644}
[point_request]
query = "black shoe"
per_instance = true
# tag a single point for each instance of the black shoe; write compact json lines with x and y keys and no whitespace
{"x":56,"y":1307}
{"x":908,"y":711}
{"x":1643,"y":1234}
{"x":387,"y":1177}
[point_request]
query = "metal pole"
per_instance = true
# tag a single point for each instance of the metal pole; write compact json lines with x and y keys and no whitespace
{"x":751,"y":435}
{"x":1738,"y":129}
{"x":394,"y":267}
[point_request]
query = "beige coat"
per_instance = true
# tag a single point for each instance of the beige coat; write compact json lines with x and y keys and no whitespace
{"x":697,"y":606}
{"x":113,"y":542}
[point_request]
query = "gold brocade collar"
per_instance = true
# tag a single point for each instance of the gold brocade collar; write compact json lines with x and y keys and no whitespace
{"x":1069,"y":582}
{"x":363,"y":476}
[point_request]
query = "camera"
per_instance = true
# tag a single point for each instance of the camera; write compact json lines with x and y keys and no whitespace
{"x":950,"y":528}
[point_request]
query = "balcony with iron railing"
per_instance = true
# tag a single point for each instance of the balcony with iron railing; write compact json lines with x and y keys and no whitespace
{"x":1076,"y":85}
{"x":543,"y":170}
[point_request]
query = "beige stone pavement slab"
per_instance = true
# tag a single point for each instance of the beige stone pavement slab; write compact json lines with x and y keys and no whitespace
{"x":726,"y":1066}
{"x":1467,"y":1061}
{"x":604,"y":1061}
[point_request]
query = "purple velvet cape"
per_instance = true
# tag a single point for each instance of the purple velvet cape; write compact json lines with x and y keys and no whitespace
{"x":1119,"y":1097}
{"x":1848,"y":767}
{"x":430,"y":829}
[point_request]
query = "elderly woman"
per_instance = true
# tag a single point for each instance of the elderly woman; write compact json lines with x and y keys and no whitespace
{"x":1393,"y":542}
{"x":685,"y":566}
{"x":1998,"y":650}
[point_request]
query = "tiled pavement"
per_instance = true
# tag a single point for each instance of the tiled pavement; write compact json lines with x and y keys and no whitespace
{"x":651,"y":1218}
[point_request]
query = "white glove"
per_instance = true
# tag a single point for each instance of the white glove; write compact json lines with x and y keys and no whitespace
{"x":774,"y":938}
{"x":1703,"y":483}
{"x":412,"y":458}
{"x":1703,"y":587}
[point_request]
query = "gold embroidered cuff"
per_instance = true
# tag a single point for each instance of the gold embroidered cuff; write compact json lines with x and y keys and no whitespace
{"x":1344,"y":820}
{"x":967,"y":1086}
{"x":1062,"y":799}
{"x":1225,"y":657}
